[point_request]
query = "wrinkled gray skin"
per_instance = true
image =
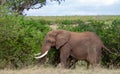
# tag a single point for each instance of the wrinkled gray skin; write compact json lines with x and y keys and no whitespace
{"x":81,"y":46}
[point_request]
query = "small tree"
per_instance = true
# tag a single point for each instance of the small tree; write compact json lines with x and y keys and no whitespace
{"x":19,"y":5}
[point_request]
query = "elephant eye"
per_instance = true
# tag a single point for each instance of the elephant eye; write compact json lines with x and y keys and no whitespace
{"x":48,"y":41}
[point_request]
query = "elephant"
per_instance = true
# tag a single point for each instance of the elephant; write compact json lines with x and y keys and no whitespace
{"x":84,"y":46}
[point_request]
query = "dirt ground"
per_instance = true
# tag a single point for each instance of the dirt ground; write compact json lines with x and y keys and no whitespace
{"x":51,"y":70}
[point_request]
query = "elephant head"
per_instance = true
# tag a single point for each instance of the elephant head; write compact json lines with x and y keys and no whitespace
{"x":56,"y":38}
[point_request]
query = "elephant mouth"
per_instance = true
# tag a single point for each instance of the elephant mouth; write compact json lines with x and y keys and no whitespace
{"x":41,"y":56}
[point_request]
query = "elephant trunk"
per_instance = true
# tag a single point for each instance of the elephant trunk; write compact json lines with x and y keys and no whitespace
{"x":45,"y":50}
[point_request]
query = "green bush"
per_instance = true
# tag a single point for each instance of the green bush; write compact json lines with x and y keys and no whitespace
{"x":67,"y":22}
{"x":19,"y":40}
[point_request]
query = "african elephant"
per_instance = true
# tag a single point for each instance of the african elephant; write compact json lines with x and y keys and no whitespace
{"x":81,"y":46}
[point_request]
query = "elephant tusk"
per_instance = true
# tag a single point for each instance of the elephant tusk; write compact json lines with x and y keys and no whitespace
{"x":41,"y":55}
{"x":37,"y":54}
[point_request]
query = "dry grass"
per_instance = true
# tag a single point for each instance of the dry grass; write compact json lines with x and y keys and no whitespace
{"x":50,"y":70}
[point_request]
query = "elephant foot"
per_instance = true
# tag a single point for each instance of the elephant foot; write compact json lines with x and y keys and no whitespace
{"x":62,"y":66}
{"x":59,"y":65}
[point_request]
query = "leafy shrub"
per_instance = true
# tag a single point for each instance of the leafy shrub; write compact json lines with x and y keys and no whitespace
{"x":42,"y":21}
{"x":19,"y":40}
{"x":66,"y":22}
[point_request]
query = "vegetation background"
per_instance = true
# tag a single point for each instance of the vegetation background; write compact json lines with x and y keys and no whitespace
{"x":21,"y":37}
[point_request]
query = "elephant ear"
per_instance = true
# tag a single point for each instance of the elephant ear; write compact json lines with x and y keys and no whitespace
{"x":62,"y":38}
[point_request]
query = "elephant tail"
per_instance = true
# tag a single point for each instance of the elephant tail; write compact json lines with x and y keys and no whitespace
{"x":110,"y":51}
{"x":107,"y":49}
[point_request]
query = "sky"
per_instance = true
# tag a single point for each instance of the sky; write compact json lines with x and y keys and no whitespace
{"x":77,"y":7}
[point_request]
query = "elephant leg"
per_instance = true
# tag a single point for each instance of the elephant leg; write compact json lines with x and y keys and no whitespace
{"x":64,"y":57}
{"x":72,"y":62}
{"x":93,"y":61}
{"x":64,"y":60}
{"x":94,"y":56}
{"x":88,"y":64}
{"x":96,"y":61}
{"x":68,"y":61}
